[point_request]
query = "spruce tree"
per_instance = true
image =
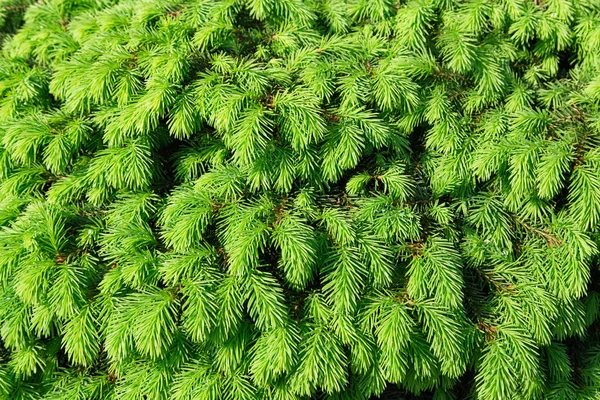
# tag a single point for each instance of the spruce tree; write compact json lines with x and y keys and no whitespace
{"x":295,"y":199}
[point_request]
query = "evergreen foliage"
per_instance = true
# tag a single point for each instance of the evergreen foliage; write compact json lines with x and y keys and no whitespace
{"x":293,"y":199}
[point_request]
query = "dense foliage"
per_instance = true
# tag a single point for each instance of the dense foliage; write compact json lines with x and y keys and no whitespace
{"x":288,"y":199}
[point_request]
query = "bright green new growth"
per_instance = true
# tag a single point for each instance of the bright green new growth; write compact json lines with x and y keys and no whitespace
{"x":293,"y":199}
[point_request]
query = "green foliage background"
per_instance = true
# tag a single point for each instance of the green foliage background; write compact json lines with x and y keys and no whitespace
{"x":287,"y":199}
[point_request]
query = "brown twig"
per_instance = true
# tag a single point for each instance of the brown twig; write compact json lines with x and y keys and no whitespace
{"x":549,"y":238}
